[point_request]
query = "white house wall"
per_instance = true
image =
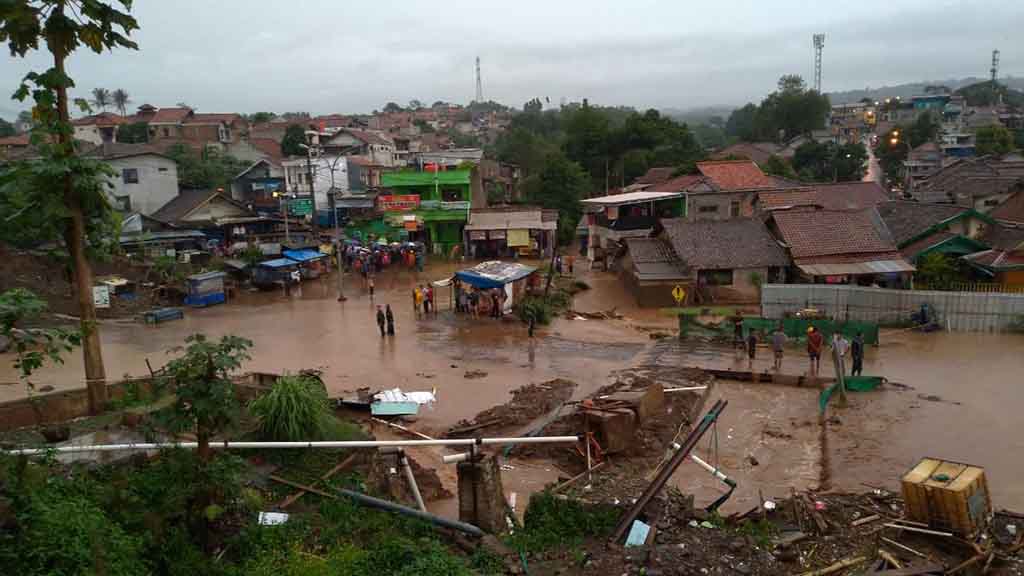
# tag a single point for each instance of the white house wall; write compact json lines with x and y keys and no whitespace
{"x":157,"y":183}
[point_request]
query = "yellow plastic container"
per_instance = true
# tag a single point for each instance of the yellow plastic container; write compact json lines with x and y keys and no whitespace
{"x":947,"y":496}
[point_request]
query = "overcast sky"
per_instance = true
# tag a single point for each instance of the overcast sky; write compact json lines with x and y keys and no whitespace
{"x":339,"y":56}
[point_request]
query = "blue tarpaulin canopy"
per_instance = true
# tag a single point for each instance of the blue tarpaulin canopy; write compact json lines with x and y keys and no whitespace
{"x":304,"y":255}
{"x":494,"y":274}
{"x":278,"y":263}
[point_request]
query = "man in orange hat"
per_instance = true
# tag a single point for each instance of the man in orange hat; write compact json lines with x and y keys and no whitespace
{"x":814,"y":343}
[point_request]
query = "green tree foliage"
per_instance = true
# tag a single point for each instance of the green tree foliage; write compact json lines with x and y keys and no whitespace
{"x":560,"y":184}
{"x":415,"y":104}
{"x":6,"y":129}
{"x":777,"y":166}
{"x":423,"y":125}
{"x":983,"y":94}
{"x":294,"y":409}
{"x":294,"y":135}
{"x":208,"y":169}
{"x":63,"y":26}
{"x":925,"y":128}
{"x":790,"y":111}
{"x":994,"y":139}
{"x":32,"y":347}
{"x":200,"y":379}
{"x":101,"y":98}
{"x":392,"y":107}
{"x":121,"y":99}
{"x":829,"y":162}
{"x":937,"y":270}
{"x":710,"y":136}
{"x":134,"y":133}
{"x":261,"y":117}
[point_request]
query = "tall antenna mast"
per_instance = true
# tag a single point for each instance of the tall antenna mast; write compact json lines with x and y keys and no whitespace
{"x":819,"y":43}
{"x":479,"y":84}
{"x":995,"y":74}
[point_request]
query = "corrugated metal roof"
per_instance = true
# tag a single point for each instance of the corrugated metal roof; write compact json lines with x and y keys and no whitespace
{"x":857,"y":268}
{"x":631,"y":198}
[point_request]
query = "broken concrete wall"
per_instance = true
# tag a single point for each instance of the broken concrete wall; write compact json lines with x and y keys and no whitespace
{"x":481,"y":497}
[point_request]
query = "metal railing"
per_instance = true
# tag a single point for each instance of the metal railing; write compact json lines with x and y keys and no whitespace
{"x":983,"y":287}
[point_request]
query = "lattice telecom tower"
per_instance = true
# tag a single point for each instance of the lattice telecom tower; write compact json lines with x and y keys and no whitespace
{"x":479,"y":84}
{"x":819,"y":43}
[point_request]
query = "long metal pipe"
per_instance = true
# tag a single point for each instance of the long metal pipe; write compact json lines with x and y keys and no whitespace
{"x":666,"y":471}
{"x":411,"y":479}
{"x":320,"y":444}
{"x":392,"y":507}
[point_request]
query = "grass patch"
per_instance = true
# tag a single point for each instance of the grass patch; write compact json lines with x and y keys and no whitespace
{"x":554,"y":523}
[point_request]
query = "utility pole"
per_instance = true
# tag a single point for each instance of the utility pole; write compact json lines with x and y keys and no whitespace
{"x":819,"y":43}
{"x":333,"y":166}
{"x":312,"y":191}
{"x":479,"y":83}
{"x":994,"y":71}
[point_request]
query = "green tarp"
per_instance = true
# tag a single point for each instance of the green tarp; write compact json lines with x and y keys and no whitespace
{"x":853,"y":384}
{"x":797,"y":327}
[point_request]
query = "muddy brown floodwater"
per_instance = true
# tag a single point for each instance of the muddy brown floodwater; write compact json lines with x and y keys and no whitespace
{"x":964,"y":402}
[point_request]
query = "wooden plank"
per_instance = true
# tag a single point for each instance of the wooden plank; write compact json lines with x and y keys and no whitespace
{"x":912,"y":570}
{"x":920,"y":530}
{"x":403,"y":429}
{"x":568,"y":482}
{"x":341,"y":466}
{"x":890,"y":558}
{"x":865,"y":520}
{"x":477,"y":426}
{"x":302,"y":487}
{"x":902,"y":547}
{"x":841,"y":565}
{"x":819,"y":520}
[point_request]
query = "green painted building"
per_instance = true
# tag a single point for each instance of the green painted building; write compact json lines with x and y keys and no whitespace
{"x":430,"y":207}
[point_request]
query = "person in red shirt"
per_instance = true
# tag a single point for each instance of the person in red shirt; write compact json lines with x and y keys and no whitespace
{"x":814,"y":343}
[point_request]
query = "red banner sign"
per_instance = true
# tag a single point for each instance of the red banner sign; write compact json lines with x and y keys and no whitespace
{"x":398,"y":202}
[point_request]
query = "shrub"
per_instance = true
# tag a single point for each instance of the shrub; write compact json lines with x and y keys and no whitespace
{"x":67,"y":534}
{"x":553,"y":523}
{"x":294,"y":409}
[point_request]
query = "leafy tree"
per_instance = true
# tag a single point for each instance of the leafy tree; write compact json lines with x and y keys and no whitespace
{"x":709,"y":135}
{"x":415,"y":104}
{"x":742,"y":123}
{"x":294,"y":135}
{"x":392,"y":107}
{"x":62,"y":26}
{"x":121,"y":99}
{"x":295,"y":116}
{"x":994,"y":139}
{"x":559,"y":185}
{"x":1018,"y":138}
{"x":524,"y":147}
{"x":204,"y":170}
{"x":24,"y":121}
{"x":423,"y":125}
{"x":295,"y":408}
{"x":200,"y":380}
{"x":33,"y":347}
{"x":777,"y":166}
{"x":261,"y":117}
{"x":134,"y":133}
{"x":6,"y":129}
{"x":829,"y":162}
{"x":937,"y":270}
{"x":891,"y":150}
{"x":587,"y":142}
{"x":101,"y":98}
{"x":438,"y":104}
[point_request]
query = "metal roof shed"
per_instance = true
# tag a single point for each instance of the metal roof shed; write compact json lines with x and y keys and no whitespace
{"x":494,"y":274}
{"x":304,"y":255}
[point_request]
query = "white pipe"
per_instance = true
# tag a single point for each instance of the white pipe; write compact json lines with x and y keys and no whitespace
{"x":322,"y":444}
{"x":451,"y":458}
{"x":412,"y":483}
{"x":714,"y":471}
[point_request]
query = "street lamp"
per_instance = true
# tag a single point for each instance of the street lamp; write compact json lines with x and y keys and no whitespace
{"x":283,"y":207}
{"x":332,"y":167}
{"x":895,"y":141}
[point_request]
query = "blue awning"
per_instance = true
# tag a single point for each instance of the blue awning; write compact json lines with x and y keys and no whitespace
{"x":278,"y":263}
{"x":304,"y":255}
{"x":489,"y":275}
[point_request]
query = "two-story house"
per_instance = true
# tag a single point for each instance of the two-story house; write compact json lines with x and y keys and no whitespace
{"x":430,"y":207}
{"x":144,"y":178}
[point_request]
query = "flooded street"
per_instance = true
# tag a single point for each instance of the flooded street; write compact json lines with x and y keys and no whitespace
{"x":963,"y":402}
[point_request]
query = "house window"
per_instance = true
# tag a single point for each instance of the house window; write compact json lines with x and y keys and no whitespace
{"x":734,"y":209}
{"x":130,"y":175}
{"x":123,"y":203}
{"x":450,"y":195}
{"x":166,"y":131}
{"x":707,"y":209}
{"x":715,"y":277}
{"x":162,"y":169}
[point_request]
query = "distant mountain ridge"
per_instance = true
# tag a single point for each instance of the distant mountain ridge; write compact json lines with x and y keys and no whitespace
{"x":916,"y":89}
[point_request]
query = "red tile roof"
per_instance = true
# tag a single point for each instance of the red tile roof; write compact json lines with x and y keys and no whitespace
{"x":1012,"y":210}
{"x":270,"y":147}
{"x":832,"y":234}
{"x":209,"y":118}
{"x":735,"y":174}
{"x":170,"y":115}
{"x":677,"y":184}
{"x":16,"y":140}
{"x":756,"y":151}
{"x":656,"y":175}
{"x":369,"y":137}
{"x":103,"y":119}
{"x":841,"y":196}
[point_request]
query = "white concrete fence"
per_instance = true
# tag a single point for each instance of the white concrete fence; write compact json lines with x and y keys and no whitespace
{"x":957,"y":311}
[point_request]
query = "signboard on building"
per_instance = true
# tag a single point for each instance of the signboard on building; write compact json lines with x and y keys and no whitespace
{"x":398,"y":202}
{"x":518,"y":237}
{"x":101,"y":296}
{"x":496,"y":234}
{"x":300,"y":206}
{"x":478,"y":235}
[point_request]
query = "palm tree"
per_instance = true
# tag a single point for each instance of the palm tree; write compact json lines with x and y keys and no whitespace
{"x":121,"y":100}
{"x":101,"y":98}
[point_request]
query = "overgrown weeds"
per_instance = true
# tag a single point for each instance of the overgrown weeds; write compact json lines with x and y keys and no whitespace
{"x":295,"y":408}
{"x":551,"y":523}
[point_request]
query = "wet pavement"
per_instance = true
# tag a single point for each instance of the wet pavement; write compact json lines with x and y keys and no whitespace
{"x":965,"y":401}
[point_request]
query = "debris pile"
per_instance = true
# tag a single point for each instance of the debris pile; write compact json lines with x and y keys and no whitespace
{"x":528,"y":403}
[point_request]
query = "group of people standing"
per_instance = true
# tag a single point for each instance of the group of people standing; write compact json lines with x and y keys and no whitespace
{"x":478,"y":302}
{"x":423,"y":297}
{"x":815,"y":344}
{"x":385,"y":320}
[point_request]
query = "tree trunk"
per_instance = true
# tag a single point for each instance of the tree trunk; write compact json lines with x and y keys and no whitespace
{"x":74,"y":238}
{"x":203,"y":441}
